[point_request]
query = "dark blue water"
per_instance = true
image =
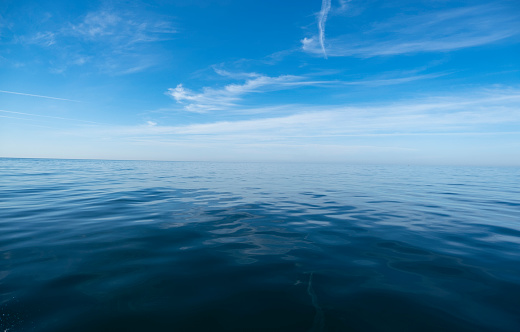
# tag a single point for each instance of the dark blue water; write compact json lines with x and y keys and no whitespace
{"x":178,"y":246}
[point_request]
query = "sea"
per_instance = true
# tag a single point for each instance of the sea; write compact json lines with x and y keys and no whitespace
{"x":97,"y":245}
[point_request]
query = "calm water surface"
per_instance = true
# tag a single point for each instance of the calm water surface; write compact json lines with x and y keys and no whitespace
{"x":179,"y":246}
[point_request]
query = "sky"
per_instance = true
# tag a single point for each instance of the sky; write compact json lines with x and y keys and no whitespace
{"x":351,"y":81}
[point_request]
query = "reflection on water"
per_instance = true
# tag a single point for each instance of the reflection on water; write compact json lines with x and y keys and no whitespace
{"x":130,"y":246}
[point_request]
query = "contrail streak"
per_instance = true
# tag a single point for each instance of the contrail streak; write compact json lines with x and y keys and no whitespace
{"x":325,"y":8}
{"x":30,"y":95}
{"x":47,"y":116}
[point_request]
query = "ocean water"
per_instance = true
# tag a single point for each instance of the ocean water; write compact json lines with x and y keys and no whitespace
{"x":180,"y":246}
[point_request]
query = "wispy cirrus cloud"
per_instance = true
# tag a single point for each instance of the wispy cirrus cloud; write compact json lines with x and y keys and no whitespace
{"x":393,"y":79}
{"x":117,"y":28}
{"x":122,"y":28}
{"x":347,"y":133}
{"x":343,"y":5}
{"x":45,"y":39}
{"x":430,"y":116}
{"x":31,"y":116}
{"x":229,"y":96}
{"x":438,"y":31}
{"x":38,"y":96}
{"x":109,"y":40}
{"x":483,"y":111}
{"x":325,"y":8}
{"x":130,"y":36}
{"x":213,"y":99}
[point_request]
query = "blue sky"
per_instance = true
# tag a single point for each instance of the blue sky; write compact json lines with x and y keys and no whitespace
{"x":405,"y":82}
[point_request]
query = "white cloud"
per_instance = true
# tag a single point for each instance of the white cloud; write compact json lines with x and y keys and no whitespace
{"x":229,"y":96}
{"x":123,"y":28}
{"x":467,"y":127}
{"x":322,"y":20}
{"x":486,"y":111}
{"x":31,"y":116}
{"x":38,"y":96}
{"x":308,"y":44}
{"x":97,"y":24}
{"x":432,"y":32}
{"x":211,"y":99}
{"x":342,"y":6}
{"x":45,"y":39}
{"x":325,"y":8}
{"x":386,"y":79}
{"x":111,"y":40}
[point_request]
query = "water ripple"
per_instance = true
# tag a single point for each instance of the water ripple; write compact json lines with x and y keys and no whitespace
{"x":100,"y":245}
